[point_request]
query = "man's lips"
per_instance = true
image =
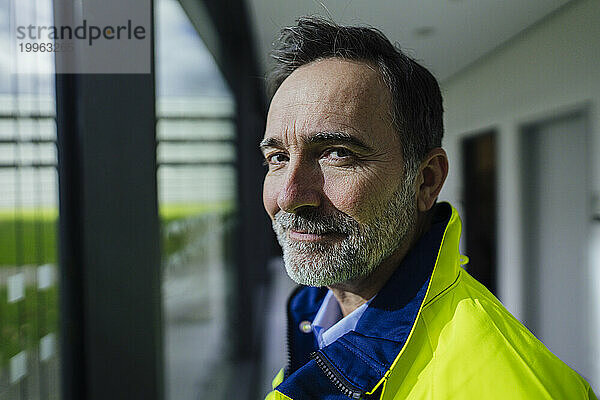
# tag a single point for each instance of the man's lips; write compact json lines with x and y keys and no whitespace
{"x":314,"y":237}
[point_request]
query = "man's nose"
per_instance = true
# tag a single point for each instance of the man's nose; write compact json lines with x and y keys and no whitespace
{"x":303,"y":187}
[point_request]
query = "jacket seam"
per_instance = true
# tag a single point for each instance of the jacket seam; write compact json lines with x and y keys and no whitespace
{"x":445,"y":291}
{"x":384,"y":388}
{"x":364,"y":357}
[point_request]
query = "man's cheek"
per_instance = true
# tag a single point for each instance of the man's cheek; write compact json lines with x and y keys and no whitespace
{"x":355,"y":197}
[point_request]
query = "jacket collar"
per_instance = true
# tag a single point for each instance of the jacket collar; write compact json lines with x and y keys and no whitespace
{"x":365,"y":355}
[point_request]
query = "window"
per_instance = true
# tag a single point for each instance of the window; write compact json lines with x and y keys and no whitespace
{"x":29,"y":362}
{"x":197,"y":191}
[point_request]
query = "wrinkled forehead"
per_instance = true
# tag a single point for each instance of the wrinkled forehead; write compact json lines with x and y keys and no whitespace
{"x":330,"y":94}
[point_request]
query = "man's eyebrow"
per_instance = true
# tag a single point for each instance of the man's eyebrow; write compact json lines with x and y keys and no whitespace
{"x":270,"y":142}
{"x":320,"y":138}
{"x":337,"y":137}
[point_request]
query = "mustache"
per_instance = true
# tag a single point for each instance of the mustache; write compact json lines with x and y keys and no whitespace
{"x":317,"y":222}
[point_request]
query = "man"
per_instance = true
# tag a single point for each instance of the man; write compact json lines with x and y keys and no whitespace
{"x":384,"y":310}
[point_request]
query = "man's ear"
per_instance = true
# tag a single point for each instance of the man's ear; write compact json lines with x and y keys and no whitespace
{"x":432,"y":175}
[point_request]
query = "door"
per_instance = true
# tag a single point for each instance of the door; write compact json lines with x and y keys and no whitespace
{"x":479,"y":172}
{"x":555,"y":178}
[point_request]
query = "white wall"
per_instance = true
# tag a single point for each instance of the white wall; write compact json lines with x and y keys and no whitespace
{"x":550,"y":69}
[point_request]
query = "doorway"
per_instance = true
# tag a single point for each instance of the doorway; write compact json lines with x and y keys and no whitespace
{"x":479,"y":172}
{"x":555,"y":228}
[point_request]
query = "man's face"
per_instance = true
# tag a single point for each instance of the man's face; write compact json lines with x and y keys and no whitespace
{"x":335,"y":189}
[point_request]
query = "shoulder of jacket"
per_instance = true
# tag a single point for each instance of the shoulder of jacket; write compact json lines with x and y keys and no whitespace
{"x":468,"y":326}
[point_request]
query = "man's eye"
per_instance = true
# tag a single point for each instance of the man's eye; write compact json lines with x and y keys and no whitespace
{"x":276,"y":159}
{"x":338,"y":153}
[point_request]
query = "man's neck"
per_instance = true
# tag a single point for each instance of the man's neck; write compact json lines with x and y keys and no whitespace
{"x":351,"y":295}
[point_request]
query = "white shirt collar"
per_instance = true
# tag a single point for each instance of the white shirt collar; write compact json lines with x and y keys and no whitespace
{"x":328,"y":325}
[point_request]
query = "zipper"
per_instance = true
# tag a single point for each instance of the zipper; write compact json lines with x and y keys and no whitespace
{"x":338,"y":380}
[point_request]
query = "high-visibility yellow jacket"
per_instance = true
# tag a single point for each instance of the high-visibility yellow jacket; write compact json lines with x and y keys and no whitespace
{"x":432,"y":332}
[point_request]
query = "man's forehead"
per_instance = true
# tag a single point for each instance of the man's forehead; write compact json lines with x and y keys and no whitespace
{"x":331,"y":95}
{"x":333,"y":80}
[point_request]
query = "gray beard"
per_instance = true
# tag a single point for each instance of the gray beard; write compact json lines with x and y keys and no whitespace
{"x":359,"y":253}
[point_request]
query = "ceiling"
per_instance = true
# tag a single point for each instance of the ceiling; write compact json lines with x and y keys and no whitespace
{"x":445,"y":35}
